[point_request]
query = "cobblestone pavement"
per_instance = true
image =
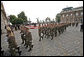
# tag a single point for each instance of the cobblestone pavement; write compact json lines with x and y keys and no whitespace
{"x":70,"y":43}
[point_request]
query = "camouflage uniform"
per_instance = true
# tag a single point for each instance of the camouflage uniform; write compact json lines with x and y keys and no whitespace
{"x":59,"y":29}
{"x":76,"y":24}
{"x":23,"y":31}
{"x":55,"y":31}
{"x":28,"y":40}
{"x":11,"y":41}
{"x":73,"y":24}
{"x":40,"y":33}
{"x":52,"y":32}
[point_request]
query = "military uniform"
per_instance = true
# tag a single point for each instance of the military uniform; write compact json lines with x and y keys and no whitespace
{"x":11,"y":41}
{"x":28,"y":39}
{"x":59,"y":29}
{"x":73,"y":24}
{"x":55,"y":31}
{"x":23,"y":34}
{"x":52,"y":33}
{"x":40,"y":33}
{"x":76,"y":24}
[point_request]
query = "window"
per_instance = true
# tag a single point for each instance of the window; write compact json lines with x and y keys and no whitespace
{"x":63,"y":15}
{"x":76,"y":14}
{"x":67,"y":15}
{"x":71,"y":14}
{"x":81,"y":13}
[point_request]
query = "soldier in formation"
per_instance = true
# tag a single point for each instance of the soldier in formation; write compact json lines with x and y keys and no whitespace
{"x":76,"y":24}
{"x":28,"y":39}
{"x":50,"y":30}
{"x":40,"y":32}
{"x":14,"y":49}
{"x":73,"y":23}
{"x":23,"y":31}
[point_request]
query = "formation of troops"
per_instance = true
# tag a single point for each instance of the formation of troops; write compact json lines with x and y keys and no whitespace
{"x":49,"y":30}
{"x":26,"y":37}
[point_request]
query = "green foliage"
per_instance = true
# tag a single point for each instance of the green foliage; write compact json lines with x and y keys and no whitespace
{"x":58,"y":18}
{"x":21,"y":18}
{"x":12,"y":18}
{"x":19,"y":21}
{"x":22,"y":15}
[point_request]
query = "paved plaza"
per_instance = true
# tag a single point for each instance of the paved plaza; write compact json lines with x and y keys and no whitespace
{"x":69,"y":43}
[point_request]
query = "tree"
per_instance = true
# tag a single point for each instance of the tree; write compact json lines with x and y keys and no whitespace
{"x":12,"y":18}
{"x":22,"y":15}
{"x":21,"y":18}
{"x":58,"y":18}
{"x":19,"y":21}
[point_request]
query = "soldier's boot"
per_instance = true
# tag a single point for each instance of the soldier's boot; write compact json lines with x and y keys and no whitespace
{"x":45,"y":35}
{"x":29,"y":49}
{"x":13,"y":52}
{"x":25,"y":43}
{"x":48,"y":36}
{"x":32,"y":46}
{"x":52,"y":37}
{"x":59,"y":32}
{"x":55,"y":34}
{"x":19,"y":53}
{"x":26,"y":46}
{"x":2,"y":52}
{"x":40,"y":39}
{"x":22,"y":41}
{"x":18,"y":48}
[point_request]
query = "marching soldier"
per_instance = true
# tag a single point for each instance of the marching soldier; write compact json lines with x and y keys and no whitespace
{"x":22,"y":34}
{"x":55,"y":30}
{"x":12,"y":43}
{"x":11,"y":40}
{"x":28,"y":38}
{"x":73,"y":24}
{"x":76,"y":24}
{"x":40,"y":33}
{"x":59,"y":29}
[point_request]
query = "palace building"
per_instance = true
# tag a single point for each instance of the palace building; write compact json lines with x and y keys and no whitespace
{"x":71,"y":14}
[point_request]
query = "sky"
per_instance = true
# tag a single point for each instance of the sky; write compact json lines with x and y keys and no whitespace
{"x":38,"y":9}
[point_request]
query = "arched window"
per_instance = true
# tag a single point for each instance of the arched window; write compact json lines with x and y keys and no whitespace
{"x":81,"y":13}
{"x":71,"y":14}
{"x":76,"y":14}
{"x":63,"y":15}
{"x":67,"y":15}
